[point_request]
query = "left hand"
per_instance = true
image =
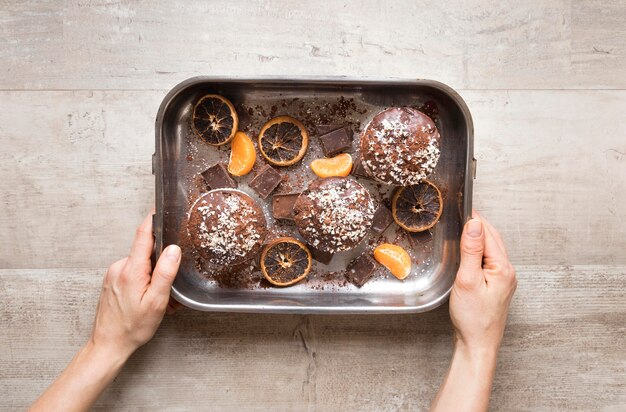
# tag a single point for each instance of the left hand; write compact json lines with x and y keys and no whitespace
{"x":134,"y":298}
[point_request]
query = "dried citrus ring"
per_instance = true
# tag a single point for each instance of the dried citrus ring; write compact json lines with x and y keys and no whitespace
{"x":214,"y":119}
{"x":242,"y":155}
{"x":394,"y":258}
{"x":283,"y":141}
{"x":417,"y":207}
{"x":339,"y":166}
{"x":285,"y":261}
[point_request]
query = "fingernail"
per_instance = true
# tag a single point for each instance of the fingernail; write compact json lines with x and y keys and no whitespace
{"x":474,"y":228}
{"x":172,"y":252}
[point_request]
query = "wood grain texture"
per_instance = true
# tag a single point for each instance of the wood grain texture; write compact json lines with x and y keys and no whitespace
{"x":471,"y":45}
{"x":81,"y":83}
{"x":563,"y":350}
{"x":77,"y":180}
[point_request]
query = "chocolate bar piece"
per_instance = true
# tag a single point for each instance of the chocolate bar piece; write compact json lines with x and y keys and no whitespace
{"x":217,"y":177}
{"x":420,"y":238}
{"x":325,"y":128}
{"x":336,"y":141}
{"x":360,"y":270}
{"x":430,"y":109}
{"x":265,"y":181}
{"x":358,"y":169}
{"x":382,"y":219}
{"x":322,"y":257}
{"x":282,"y":205}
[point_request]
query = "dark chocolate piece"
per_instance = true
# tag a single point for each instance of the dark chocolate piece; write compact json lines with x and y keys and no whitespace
{"x":360,"y":270}
{"x":282,"y":205}
{"x":217,"y":177}
{"x":430,"y":109}
{"x":419,"y":238}
{"x":336,"y":141}
{"x":322,"y":257}
{"x":265,"y":181}
{"x":382,"y":219}
{"x":325,"y":128}
{"x":358,"y":169}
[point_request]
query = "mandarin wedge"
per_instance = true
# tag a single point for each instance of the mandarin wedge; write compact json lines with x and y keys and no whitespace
{"x":242,"y":155}
{"x":338,"y":166}
{"x":394,"y":258}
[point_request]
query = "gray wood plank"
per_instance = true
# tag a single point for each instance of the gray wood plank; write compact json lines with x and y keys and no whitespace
{"x":77,"y":177}
{"x":471,"y":45}
{"x":563,"y":350}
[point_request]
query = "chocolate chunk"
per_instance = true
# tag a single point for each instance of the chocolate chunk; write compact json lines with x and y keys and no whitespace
{"x":336,"y":141}
{"x":282,"y":205}
{"x":419,"y":238}
{"x":382,"y":219}
{"x":217,"y":177}
{"x":360,"y":270}
{"x":325,"y":128}
{"x":265,"y":181}
{"x":320,"y":256}
{"x":430,"y":109}
{"x":358,"y":169}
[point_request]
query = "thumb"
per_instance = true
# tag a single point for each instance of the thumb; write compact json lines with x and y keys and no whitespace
{"x":472,"y":248}
{"x":165,"y":272}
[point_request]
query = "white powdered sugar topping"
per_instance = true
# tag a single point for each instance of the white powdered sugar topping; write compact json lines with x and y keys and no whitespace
{"x":340,"y":215}
{"x":401,"y":152}
{"x":228,"y":228}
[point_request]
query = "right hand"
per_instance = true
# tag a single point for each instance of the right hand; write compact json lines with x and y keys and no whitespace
{"x":483,"y":289}
{"x":134,"y":298}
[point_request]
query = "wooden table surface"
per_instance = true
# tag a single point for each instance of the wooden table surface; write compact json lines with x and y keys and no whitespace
{"x":545,"y":81}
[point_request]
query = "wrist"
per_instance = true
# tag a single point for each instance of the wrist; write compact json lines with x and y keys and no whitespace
{"x":108,"y":357}
{"x":482,"y":353}
{"x":477,"y":355}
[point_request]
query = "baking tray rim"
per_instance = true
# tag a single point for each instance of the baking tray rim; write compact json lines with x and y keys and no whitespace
{"x":157,"y":218}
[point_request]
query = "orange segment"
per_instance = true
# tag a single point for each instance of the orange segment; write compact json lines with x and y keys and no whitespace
{"x":242,"y":155}
{"x":394,"y":258}
{"x":340,"y":166}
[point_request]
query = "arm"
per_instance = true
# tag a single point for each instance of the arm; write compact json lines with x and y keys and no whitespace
{"x":132,"y":304}
{"x":479,"y":304}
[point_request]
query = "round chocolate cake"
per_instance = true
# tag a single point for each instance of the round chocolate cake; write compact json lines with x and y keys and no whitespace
{"x":400,"y":146}
{"x":334,"y":214}
{"x":226,"y":226}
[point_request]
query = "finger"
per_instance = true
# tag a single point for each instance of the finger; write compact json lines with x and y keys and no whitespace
{"x":493,"y":249}
{"x":141,"y":249}
{"x":495,"y":259}
{"x":114,"y":270}
{"x":173,"y":306}
{"x":164,"y":274}
{"x":470,"y":272}
{"x":494,"y":233}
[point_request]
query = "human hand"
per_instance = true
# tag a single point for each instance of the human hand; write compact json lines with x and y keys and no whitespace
{"x":133,"y":302}
{"x":479,"y":304}
{"x":483,"y":289}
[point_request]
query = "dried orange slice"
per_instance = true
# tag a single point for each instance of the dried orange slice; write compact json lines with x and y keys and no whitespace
{"x":417,"y":207}
{"x":283,"y":141}
{"x":242,"y":155}
{"x":394,"y":258}
{"x":214,"y":119}
{"x":340,"y":166}
{"x":285,"y":261}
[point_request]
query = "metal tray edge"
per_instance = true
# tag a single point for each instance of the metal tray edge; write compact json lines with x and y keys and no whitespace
{"x":470,"y":173}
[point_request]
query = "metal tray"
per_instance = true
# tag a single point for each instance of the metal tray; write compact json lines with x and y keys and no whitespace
{"x":180,"y":156}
